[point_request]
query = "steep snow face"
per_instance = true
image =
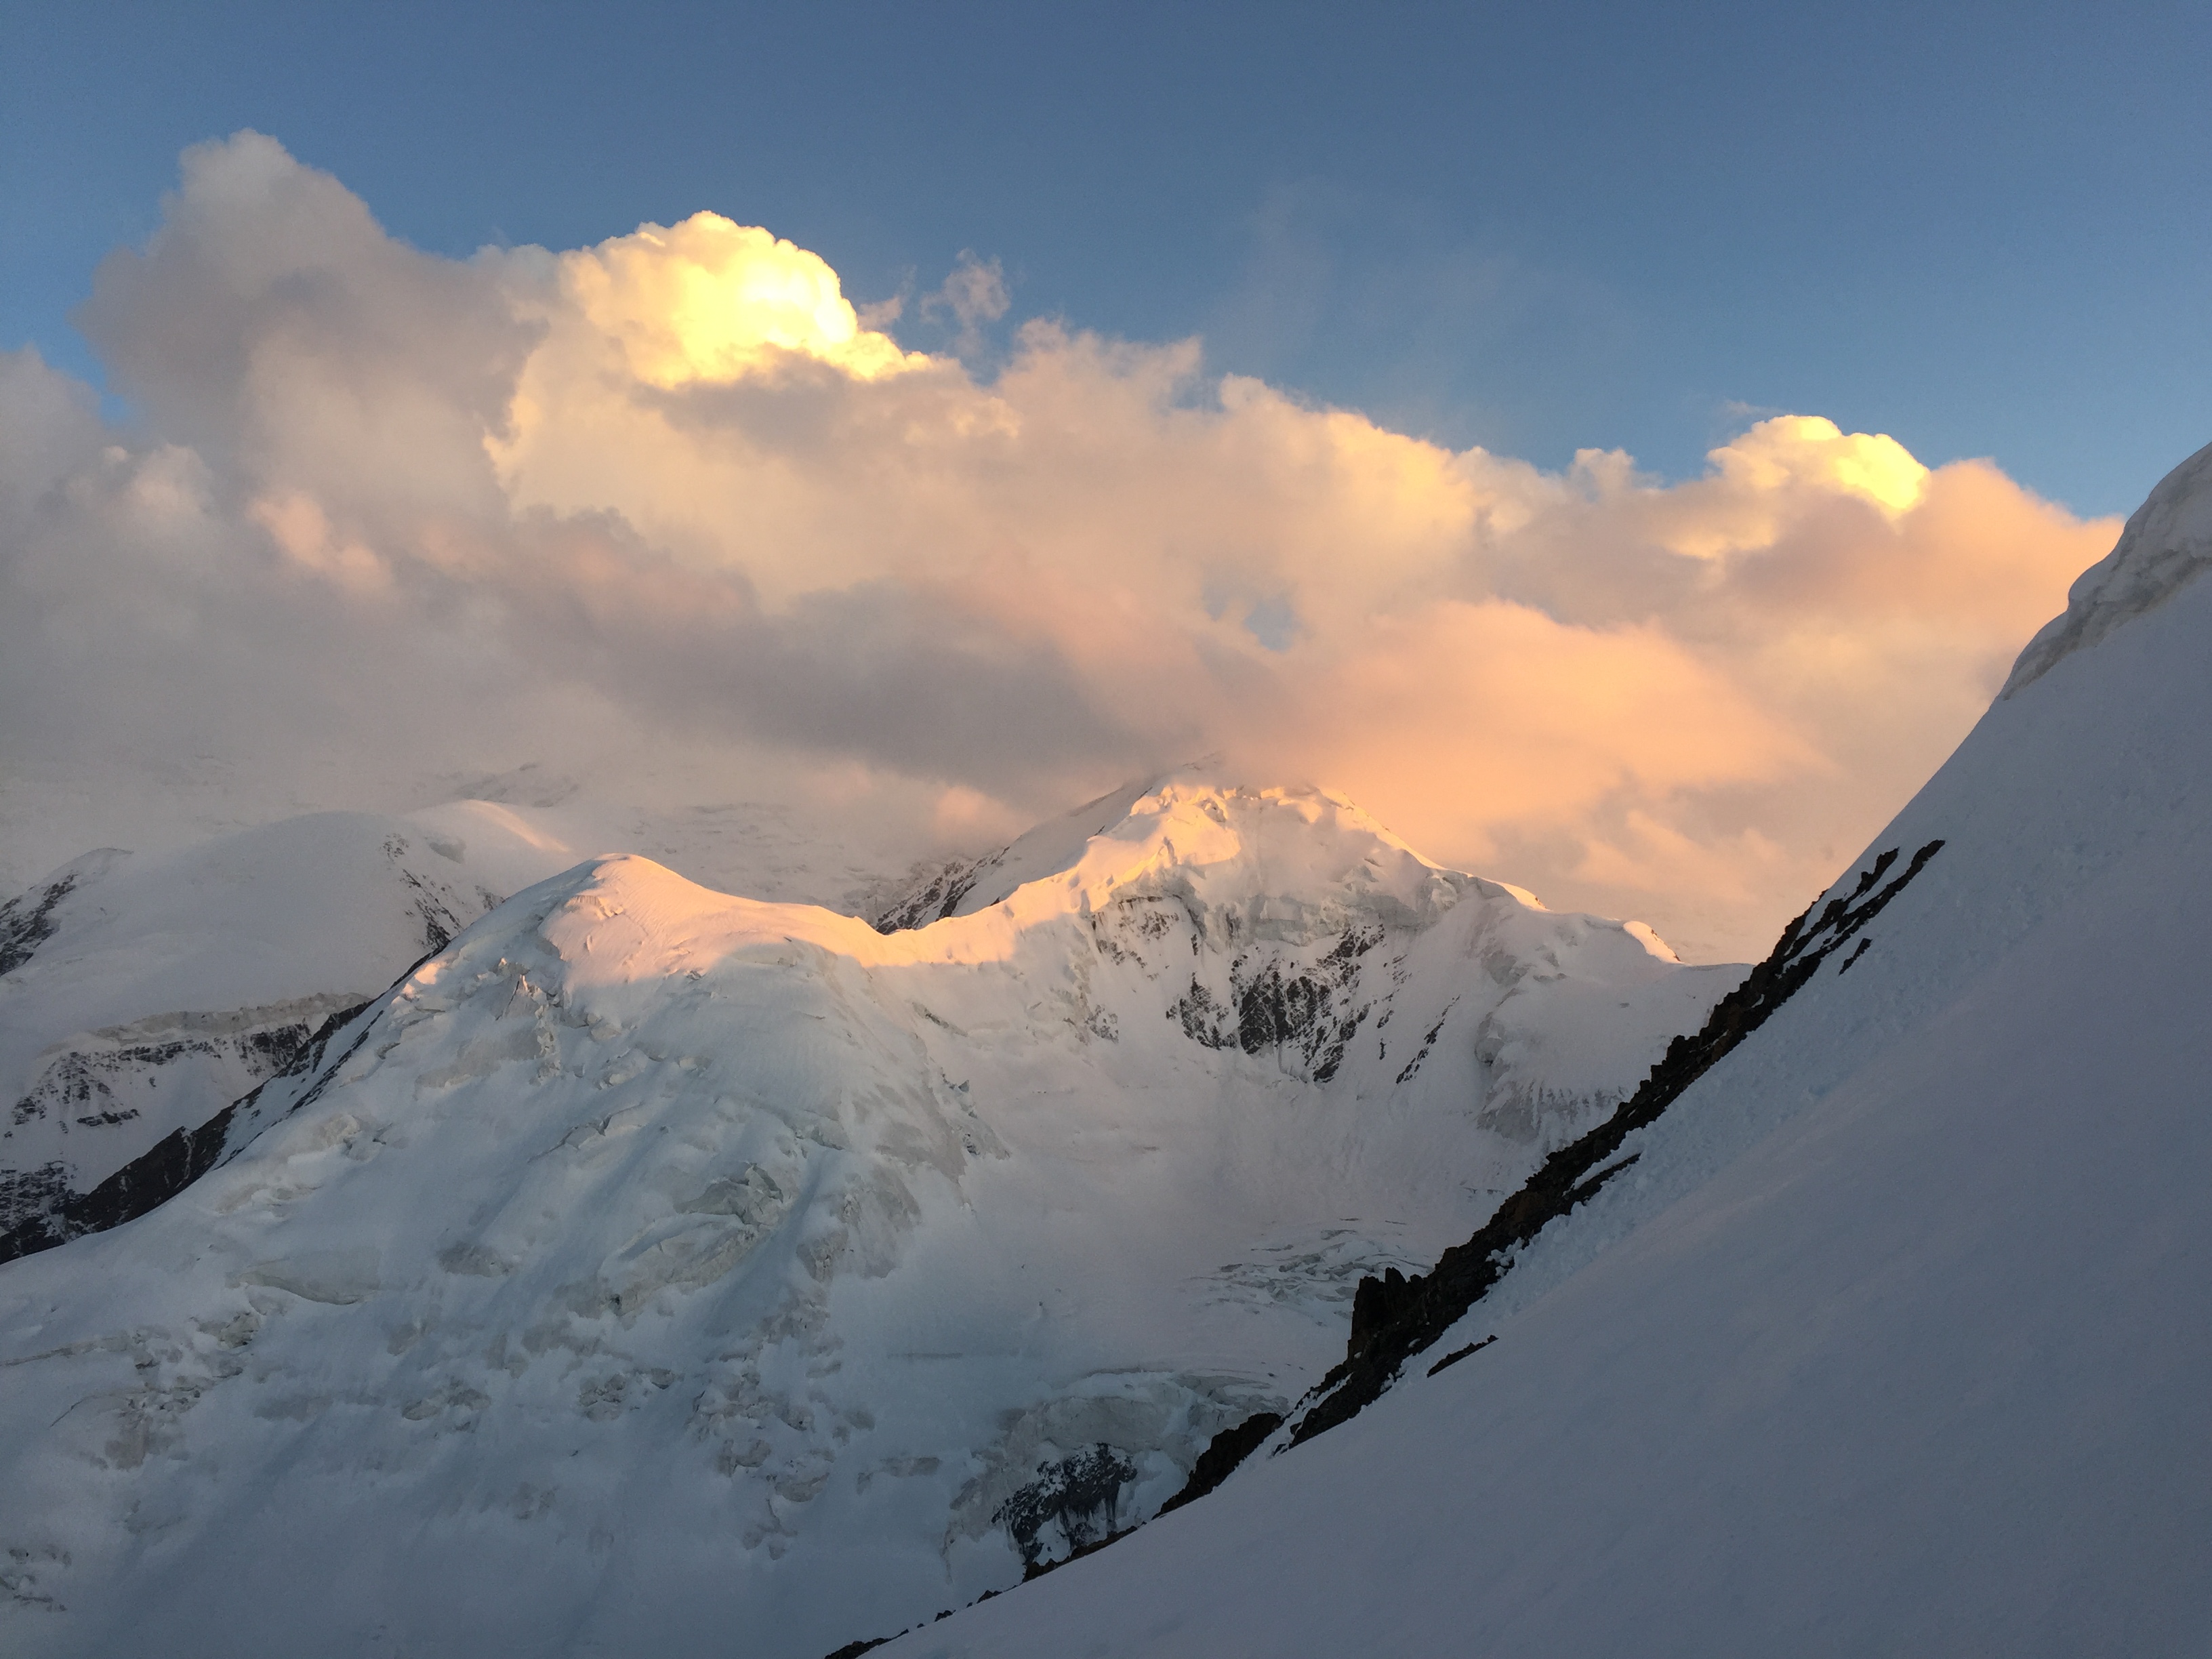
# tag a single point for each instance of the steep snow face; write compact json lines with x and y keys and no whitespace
{"x":660,"y":1271}
{"x":141,"y":996}
{"x":1894,"y":1337}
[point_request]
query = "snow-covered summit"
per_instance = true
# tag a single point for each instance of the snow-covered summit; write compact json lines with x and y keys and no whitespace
{"x":1280,"y":863}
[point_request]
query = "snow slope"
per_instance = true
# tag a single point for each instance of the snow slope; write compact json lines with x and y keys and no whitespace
{"x":961,"y":887}
{"x":659,"y":1271}
{"x":138,"y":996}
{"x":1894,"y":1337}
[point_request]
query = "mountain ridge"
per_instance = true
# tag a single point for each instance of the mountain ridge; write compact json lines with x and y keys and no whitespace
{"x":917,"y":1260}
{"x":1875,"y":1338}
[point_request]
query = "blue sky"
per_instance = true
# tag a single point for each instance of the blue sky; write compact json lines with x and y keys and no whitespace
{"x":1982,"y":228}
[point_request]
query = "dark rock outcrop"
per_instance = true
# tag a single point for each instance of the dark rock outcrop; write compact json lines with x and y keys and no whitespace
{"x":930,"y":898}
{"x":1078,"y":1496}
{"x":25,"y":1193}
{"x":86,"y":1085}
{"x":1312,"y":1011}
{"x":1394,"y":1317}
{"x":1223,"y":1454}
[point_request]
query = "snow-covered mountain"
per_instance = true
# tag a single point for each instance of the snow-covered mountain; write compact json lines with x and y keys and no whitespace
{"x":140,"y":996}
{"x":1878,"y":1321}
{"x":655,"y":1270}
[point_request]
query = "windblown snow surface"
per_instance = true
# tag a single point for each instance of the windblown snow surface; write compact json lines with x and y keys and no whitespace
{"x":652,"y":1271}
{"x":1898,"y":1336}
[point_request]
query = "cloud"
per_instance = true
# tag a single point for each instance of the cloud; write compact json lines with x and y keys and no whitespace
{"x":273,"y":327}
{"x":974,"y":294}
{"x":710,"y":301}
{"x":669,"y":504}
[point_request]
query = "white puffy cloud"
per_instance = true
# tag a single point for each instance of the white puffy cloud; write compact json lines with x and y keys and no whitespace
{"x":711,"y":301}
{"x":673,"y":501}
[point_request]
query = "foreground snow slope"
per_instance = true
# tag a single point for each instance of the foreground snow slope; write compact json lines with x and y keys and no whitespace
{"x":138,"y":996}
{"x":1895,"y":1337}
{"x":658,"y":1271}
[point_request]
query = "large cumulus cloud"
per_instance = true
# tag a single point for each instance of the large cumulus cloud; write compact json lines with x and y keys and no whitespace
{"x":382,"y":516}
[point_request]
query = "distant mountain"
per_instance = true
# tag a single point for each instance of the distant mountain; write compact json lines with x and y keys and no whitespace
{"x":1876,"y":1321}
{"x":653,"y":1270}
{"x":140,"y":996}
{"x":961,"y":887}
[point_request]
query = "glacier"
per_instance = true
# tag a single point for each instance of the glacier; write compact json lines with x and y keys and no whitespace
{"x":655,"y":1269}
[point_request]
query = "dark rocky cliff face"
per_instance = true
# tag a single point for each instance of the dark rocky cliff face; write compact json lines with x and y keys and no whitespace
{"x":1312,"y":1008}
{"x":1072,"y":1503}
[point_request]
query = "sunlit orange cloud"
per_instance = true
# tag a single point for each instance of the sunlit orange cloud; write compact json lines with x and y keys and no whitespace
{"x":1473,"y":715}
{"x":678,"y":485}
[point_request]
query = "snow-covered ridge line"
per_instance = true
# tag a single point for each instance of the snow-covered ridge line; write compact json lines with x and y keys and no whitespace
{"x":1161,"y":836}
{"x":2167,"y":544}
{"x":26,"y":921}
{"x":1396,"y":1318}
{"x":1153,"y":839}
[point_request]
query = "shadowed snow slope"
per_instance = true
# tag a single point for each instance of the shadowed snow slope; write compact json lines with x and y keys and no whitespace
{"x":657,"y":1271}
{"x":1894,"y":1337}
{"x":138,"y":996}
